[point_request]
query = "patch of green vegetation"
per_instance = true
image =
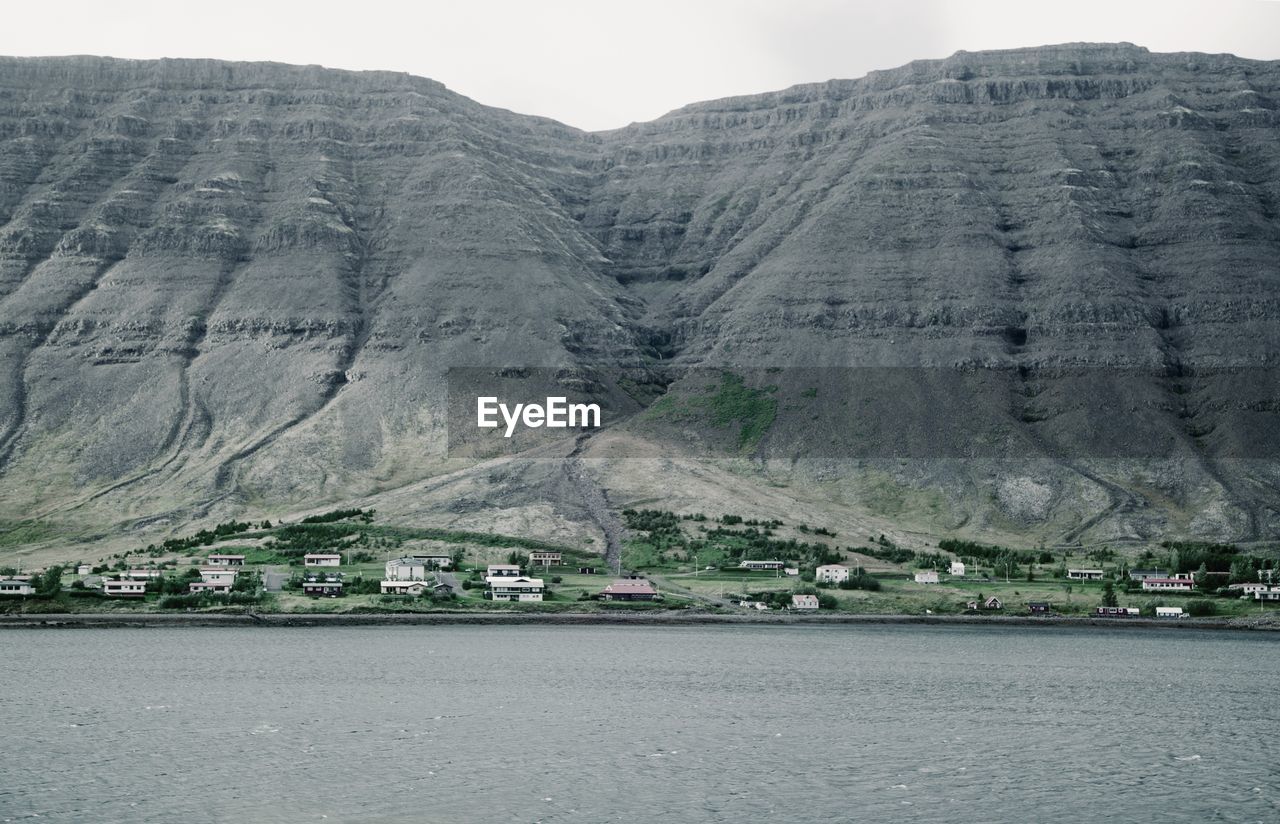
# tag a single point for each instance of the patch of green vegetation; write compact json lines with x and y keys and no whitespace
{"x":16,"y":533}
{"x":730,"y":403}
{"x":753,"y":410}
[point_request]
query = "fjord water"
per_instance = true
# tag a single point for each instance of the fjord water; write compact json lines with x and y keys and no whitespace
{"x":593,"y":724}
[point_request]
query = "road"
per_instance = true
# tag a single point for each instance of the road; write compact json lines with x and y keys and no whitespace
{"x":273,"y":581}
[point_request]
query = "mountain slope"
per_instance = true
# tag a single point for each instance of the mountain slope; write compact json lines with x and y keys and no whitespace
{"x":1041,"y":286}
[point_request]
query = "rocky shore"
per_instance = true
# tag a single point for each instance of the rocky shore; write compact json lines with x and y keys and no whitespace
{"x":672,"y":618}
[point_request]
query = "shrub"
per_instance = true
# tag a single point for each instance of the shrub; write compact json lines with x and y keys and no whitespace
{"x":1200,"y":607}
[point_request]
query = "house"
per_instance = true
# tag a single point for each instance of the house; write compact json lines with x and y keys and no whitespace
{"x":1144,"y":574}
{"x":210,"y":586}
{"x":1249,"y":589}
{"x":1040,"y":607}
{"x":1178,"y":583}
{"x":325,"y":589}
{"x":545,"y":558}
{"x":1168,"y":612}
{"x":432,"y":560}
{"x":762,"y":565}
{"x":831,"y":574}
{"x":406,"y":569}
{"x":586,"y":570}
{"x":1269,"y":594}
{"x":1084,"y":574}
{"x":83,"y":570}
{"x":790,"y":572}
{"x":927,"y":576}
{"x":629,"y":589}
{"x":124,"y":589}
{"x":804,"y":601}
{"x":142,"y":574}
{"x":15,"y":586}
{"x":1116,"y":612}
{"x":518,"y":588}
{"x":398,"y":587}
{"x":956,"y":569}
{"x":322,"y":559}
{"x":503,"y":571}
{"x":993,"y":603}
{"x":226,"y":560}
{"x":217,"y":575}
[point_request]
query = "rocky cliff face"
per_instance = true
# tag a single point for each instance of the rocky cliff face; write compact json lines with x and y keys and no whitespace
{"x":236,"y":287}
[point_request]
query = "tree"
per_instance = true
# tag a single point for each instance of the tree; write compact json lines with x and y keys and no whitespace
{"x":49,"y":584}
{"x":1242,"y":570}
{"x":1109,"y":595}
{"x":1202,"y":576}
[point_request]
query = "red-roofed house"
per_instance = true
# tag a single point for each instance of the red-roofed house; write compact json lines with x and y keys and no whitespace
{"x":1178,"y":583}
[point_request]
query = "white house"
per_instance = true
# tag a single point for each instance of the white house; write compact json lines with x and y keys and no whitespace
{"x":226,"y":560}
{"x":12,"y":586}
{"x":406,"y":569}
{"x":1168,"y":612}
{"x":831,"y":573}
{"x":142,"y":574}
{"x":759,"y":565}
{"x":83,"y":570}
{"x":1269,"y":594}
{"x":210,"y":586}
{"x":398,"y":587}
{"x":217,"y":575}
{"x":322,"y":559}
{"x":927,"y":576}
{"x":519,"y":588}
{"x":1084,"y":574}
{"x":503,"y":571}
{"x":956,"y":569}
{"x":124,"y":589}
{"x":432,"y":560}
{"x":804,"y":601}
{"x":1178,"y":583}
{"x":545,"y":558}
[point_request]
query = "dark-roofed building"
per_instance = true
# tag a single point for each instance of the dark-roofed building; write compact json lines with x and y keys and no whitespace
{"x":629,"y":589}
{"x":322,"y":589}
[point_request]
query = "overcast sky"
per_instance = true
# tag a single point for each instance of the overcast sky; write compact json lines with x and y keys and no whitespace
{"x":598,"y":65}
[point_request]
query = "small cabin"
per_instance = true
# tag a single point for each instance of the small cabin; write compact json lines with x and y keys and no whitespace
{"x":322,"y":589}
{"x":1040,"y":607}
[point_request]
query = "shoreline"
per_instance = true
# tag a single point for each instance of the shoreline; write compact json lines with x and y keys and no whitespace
{"x":683,"y":618}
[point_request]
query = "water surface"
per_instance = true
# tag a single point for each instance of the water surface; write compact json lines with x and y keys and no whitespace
{"x":683,"y":724}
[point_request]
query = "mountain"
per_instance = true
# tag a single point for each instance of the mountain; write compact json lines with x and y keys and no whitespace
{"x":1025,"y":295}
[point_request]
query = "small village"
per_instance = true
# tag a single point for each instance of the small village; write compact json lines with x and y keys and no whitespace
{"x":341,"y":562}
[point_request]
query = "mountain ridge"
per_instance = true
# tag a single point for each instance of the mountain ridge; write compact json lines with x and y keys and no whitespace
{"x":178,"y":235}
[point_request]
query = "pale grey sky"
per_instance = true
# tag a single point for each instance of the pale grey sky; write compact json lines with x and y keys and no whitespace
{"x":598,"y":65}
